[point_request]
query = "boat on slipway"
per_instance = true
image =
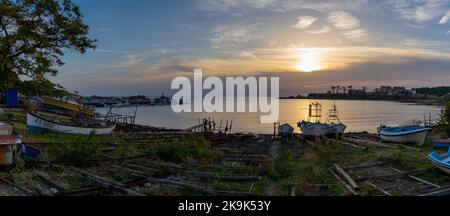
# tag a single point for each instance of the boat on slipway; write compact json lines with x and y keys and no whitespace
{"x":38,"y":124}
{"x":414,"y":134}
{"x":312,"y":127}
{"x":334,"y":126}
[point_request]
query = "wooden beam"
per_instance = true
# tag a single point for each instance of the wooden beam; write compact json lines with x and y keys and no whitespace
{"x":378,"y":188}
{"x":346,"y":176}
{"x":343,"y":182}
{"x":107,"y":183}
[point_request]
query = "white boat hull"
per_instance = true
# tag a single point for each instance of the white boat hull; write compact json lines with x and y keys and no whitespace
{"x":417,"y":138}
{"x":335,"y":129}
{"x":36,"y":124}
{"x":313,"y":129}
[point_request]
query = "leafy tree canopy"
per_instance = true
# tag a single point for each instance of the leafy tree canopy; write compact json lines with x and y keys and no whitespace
{"x":33,"y":37}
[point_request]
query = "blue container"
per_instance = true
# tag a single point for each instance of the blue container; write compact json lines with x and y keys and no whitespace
{"x":28,"y":151}
{"x":12,"y":98}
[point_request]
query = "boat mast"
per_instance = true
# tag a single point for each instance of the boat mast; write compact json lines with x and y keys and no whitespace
{"x":333,"y":114}
{"x":315,"y":111}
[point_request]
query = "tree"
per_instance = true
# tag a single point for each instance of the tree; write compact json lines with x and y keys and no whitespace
{"x":444,"y":122}
{"x":33,"y":37}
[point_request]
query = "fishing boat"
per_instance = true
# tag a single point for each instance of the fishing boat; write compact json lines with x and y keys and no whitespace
{"x":311,"y":128}
{"x":67,"y":104}
{"x":442,"y":162}
{"x":38,"y":124}
{"x":414,"y":134}
{"x":441,"y":143}
{"x":285,"y":130}
{"x":334,"y":126}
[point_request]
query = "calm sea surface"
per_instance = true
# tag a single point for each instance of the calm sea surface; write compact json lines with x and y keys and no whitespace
{"x":357,"y":115}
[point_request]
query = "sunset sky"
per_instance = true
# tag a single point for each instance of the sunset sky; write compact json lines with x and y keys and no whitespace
{"x":309,"y":44}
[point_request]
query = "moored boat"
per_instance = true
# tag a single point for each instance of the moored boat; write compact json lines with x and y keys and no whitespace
{"x":440,"y":161}
{"x":38,"y":124}
{"x":404,"y":134}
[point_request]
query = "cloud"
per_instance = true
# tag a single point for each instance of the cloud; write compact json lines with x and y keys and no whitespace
{"x":343,"y":20}
{"x":304,"y":22}
{"x":419,"y":11}
{"x":287,"y":5}
{"x":129,"y":60}
{"x":233,"y":36}
{"x":355,"y":33}
{"x":323,"y":30}
{"x":445,"y":18}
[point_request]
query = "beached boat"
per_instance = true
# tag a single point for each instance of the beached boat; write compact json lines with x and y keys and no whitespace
{"x":334,"y":126}
{"x":442,"y":162}
{"x":441,"y":143}
{"x":404,"y":134}
{"x":285,"y":130}
{"x":312,"y":127}
{"x":37,"y":124}
{"x":66,"y":105}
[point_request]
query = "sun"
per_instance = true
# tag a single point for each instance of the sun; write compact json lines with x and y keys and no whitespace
{"x":309,"y":61}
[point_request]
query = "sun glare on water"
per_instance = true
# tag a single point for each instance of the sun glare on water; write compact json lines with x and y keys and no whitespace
{"x":309,"y":61}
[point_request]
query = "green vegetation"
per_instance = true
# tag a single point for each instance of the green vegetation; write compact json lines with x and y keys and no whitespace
{"x":444,"y":123}
{"x":181,"y":150}
{"x":33,"y":35}
{"x":437,"y":91}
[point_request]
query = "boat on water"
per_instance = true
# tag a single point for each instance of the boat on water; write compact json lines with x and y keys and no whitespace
{"x":442,"y":162}
{"x":38,"y":124}
{"x":414,"y":134}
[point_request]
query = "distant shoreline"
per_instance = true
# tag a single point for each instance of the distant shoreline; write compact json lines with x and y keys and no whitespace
{"x":421,"y":101}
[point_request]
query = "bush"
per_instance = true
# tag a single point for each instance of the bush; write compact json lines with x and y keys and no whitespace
{"x":444,"y":122}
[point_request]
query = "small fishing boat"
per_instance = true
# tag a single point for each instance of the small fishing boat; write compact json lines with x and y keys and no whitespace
{"x":285,"y":130}
{"x":442,"y":162}
{"x":441,"y":143}
{"x":312,"y":128}
{"x":334,"y":126}
{"x":38,"y":124}
{"x":414,"y":134}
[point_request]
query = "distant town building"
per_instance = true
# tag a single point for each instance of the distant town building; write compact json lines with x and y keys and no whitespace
{"x":399,"y":91}
{"x":386,"y":90}
{"x":163,"y":100}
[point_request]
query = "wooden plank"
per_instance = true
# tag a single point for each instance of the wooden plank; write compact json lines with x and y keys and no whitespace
{"x":378,"y":188}
{"x":417,"y":178}
{"x":441,"y":192}
{"x":346,"y":176}
{"x":47,"y":178}
{"x":364,"y":166}
{"x":107,"y":183}
{"x":343,"y":182}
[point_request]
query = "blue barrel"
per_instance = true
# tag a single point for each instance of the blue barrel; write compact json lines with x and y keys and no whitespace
{"x":12,"y":98}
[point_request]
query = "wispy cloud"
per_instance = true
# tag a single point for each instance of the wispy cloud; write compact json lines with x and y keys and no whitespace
{"x":323,"y":30}
{"x":445,"y":18}
{"x":419,"y":11}
{"x":355,"y":33}
{"x":235,"y":35}
{"x":347,"y":23}
{"x":343,"y":20}
{"x":304,"y":22}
